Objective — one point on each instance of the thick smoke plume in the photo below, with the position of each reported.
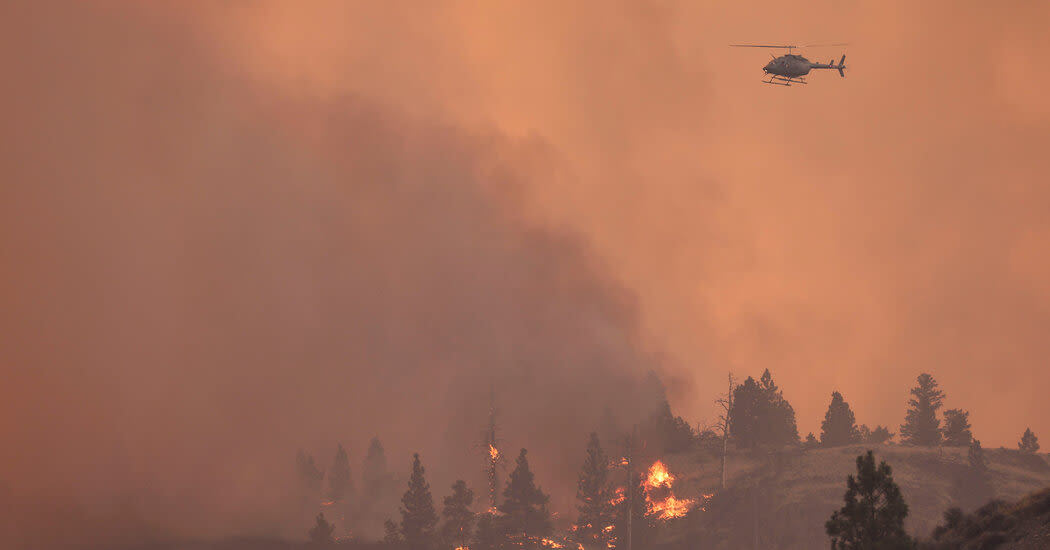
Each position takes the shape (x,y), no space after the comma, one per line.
(204,276)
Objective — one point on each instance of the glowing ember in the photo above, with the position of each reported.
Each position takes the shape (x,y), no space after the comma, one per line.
(620,497)
(328,503)
(462,548)
(659,494)
(551,543)
(493,452)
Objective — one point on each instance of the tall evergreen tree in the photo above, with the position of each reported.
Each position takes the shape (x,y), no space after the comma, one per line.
(810,442)
(374,475)
(321,534)
(524,506)
(921,425)
(839,426)
(956,431)
(1029,442)
(761,416)
(418,517)
(340,484)
(872,517)
(310,476)
(594,496)
(459,520)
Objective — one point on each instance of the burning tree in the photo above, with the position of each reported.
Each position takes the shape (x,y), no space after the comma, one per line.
(459,520)
(525,515)
(418,517)
(596,499)
(660,496)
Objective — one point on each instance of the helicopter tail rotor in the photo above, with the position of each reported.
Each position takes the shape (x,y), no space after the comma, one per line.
(842,66)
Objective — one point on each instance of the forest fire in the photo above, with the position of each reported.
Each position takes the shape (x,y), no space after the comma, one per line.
(660,495)
(493,452)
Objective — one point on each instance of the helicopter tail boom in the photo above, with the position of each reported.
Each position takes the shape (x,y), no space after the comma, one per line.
(841,66)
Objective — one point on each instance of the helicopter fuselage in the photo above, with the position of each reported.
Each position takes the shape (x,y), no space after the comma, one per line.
(789,65)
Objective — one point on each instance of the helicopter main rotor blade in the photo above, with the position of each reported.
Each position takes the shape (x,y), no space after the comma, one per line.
(759,46)
(826,45)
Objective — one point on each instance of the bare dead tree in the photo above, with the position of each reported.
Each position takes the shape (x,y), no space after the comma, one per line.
(726,402)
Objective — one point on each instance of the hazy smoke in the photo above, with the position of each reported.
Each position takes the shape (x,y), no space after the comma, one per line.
(207,276)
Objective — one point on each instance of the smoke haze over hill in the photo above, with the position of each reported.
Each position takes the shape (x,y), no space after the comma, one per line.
(231,232)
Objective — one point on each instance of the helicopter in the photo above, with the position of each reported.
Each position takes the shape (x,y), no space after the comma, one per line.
(792,68)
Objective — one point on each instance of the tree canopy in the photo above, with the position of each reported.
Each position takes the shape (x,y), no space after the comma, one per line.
(873,513)
(526,517)
(921,425)
(761,416)
(957,428)
(839,426)
(594,496)
(1029,442)
(418,517)
(459,520)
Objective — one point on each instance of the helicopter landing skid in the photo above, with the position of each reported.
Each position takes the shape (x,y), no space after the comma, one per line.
(783,80)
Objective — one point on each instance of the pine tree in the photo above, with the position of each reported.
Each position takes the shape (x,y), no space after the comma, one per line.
(921,425)
(595,507)
(761,416)
(976,457)
(321,534)
(310,476)
(459,520)
(418,517)
(839,426)
(374,475)
(810,442)
(957,428)
(1029,442)
(874,511)
(340,484)
(524,506)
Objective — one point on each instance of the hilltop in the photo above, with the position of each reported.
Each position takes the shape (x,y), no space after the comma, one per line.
(1021,525)
(781,501)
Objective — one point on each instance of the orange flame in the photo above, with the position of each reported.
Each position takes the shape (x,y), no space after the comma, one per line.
(493,452)
(659,483)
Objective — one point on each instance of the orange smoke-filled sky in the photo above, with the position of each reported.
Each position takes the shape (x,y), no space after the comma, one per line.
(193,206)
(848,234)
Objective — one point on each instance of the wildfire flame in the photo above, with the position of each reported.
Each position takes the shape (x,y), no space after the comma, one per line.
(659,494)
(493,452)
